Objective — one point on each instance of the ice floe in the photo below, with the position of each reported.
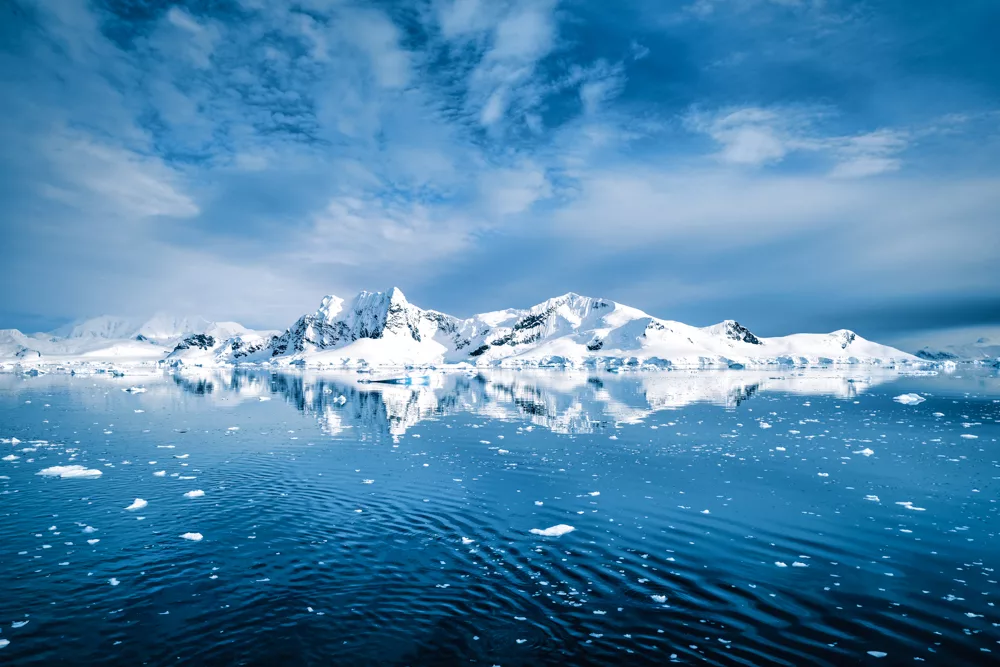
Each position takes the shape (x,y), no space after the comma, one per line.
(137,504)
(553,531)
(70,472)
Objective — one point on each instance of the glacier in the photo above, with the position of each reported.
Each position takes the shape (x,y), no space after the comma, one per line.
(382,330)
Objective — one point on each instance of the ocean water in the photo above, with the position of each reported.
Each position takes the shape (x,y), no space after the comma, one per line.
(728,518)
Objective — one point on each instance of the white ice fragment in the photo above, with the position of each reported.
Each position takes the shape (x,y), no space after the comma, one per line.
(70,472)
(865,452)
(137,504)
(909,399)
(368,481)
(553,531)
(968,436)
(197,493)
(194,537)
(877,654)
(160,473)
(233,428)
(765,425)
(909,505)
(4,643)
(19,624)
(779,563)
(135,390)
(466,540)
(659,598)
(595,493)
(113,581)
(872,498)
(93,542)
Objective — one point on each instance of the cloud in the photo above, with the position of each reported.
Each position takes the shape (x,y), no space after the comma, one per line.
(756,137)
(288,150)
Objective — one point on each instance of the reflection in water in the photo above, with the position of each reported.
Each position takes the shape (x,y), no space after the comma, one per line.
(562,402)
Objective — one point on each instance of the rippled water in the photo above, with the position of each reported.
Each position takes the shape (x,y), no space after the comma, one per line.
(730,518)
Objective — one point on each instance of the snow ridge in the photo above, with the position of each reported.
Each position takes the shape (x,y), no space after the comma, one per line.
(384,329)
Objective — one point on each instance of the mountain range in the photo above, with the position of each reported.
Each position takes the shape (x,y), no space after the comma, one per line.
(382,329)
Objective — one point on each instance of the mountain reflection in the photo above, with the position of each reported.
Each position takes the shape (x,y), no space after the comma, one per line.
(562,402)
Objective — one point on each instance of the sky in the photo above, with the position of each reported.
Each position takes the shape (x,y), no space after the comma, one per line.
(798,165)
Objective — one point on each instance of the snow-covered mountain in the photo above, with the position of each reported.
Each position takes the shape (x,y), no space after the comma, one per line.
(109,339)
(382,329)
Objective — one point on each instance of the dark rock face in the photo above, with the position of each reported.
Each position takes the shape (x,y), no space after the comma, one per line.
(737,331)
(939,355)
(595,345)
(849,337)
(200,341)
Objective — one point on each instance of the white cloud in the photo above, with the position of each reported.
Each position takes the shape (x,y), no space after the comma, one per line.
(756,137)
(100,176)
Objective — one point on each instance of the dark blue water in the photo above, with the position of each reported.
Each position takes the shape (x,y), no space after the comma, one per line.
(732,518)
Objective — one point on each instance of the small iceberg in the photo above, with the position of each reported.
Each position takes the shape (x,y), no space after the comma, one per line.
(135,390)
(197,493)
(70,472)
(553,531)
(194,537)
(137,504)
(909,399)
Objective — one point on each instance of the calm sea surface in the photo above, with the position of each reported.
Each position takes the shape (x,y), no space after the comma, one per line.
(726,518)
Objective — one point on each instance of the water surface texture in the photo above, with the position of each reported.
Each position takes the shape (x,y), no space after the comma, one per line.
(730,518)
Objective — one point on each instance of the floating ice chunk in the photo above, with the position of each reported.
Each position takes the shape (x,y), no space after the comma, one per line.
(969,436)
(93,542)
(135,390)
(872,498)
(233,428)
(594,493)
(659,598)
(181,456)
(765,425)
(19,624)
(138,412)
(113,581)
(780,564)
(553,531)
(799,564)
(194,537)
(503,451)
(938,414)
(539,503)
(4,643)
(909,399)
(160,473)
(823,474)
(780,449)
(909,505)
(865,452)
(466,540)
(11,457)
(89,530)
(70,472)
(137,504)
(263,398)
(877,654)
(368,481)
(197,493)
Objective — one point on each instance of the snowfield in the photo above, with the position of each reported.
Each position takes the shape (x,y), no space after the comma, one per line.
(384,330)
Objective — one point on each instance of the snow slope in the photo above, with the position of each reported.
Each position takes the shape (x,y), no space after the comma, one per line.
(382,329)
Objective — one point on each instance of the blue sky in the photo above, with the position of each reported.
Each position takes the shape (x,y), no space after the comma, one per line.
(799,165)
